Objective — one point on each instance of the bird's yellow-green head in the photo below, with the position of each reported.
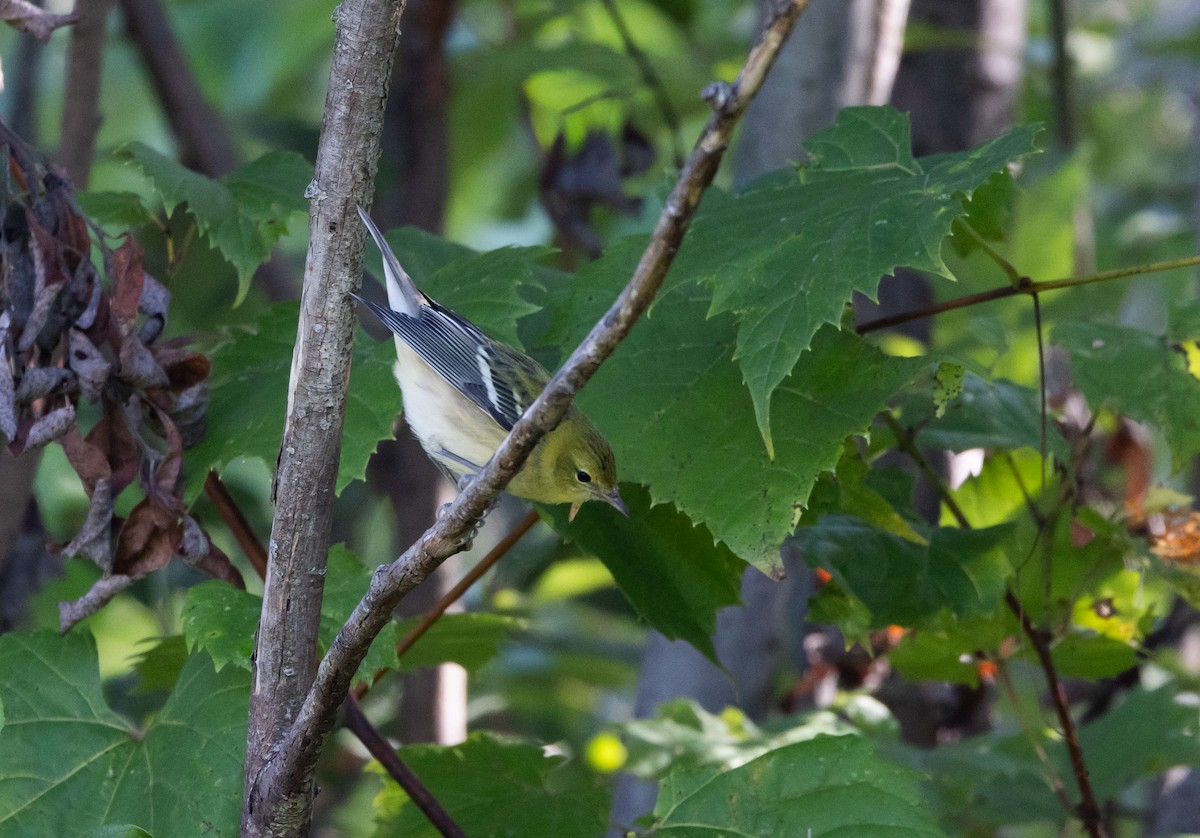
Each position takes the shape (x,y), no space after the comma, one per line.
(573,464)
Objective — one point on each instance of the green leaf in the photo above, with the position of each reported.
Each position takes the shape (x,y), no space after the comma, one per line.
(248,399)
(68,763)
(1138,375)
(222,620)
(682,734)
(469,640)
(124,830)
(673,573)
(118,210)
(988,414)
(159,666)
(858,498)
(1123,746)
(493,786)
(671,402)
(902,582)
(827,786)
(786,259)
(244,213)
(1090,656)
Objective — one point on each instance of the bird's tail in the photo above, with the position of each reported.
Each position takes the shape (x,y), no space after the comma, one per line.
(403,294)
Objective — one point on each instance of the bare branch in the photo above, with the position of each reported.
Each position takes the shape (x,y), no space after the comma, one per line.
(347,156)
(204,144)
(293,763)
(81,100)
(70,613)
(28,18)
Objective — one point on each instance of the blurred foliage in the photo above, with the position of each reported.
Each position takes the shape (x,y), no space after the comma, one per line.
(740,410)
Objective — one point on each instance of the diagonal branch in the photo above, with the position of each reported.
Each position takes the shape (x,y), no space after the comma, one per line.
(292,764)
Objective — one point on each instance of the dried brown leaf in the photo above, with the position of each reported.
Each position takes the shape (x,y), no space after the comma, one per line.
(153,303)
(113,437)
(147,540)
(88,460)
(138,367)
(89,364)
(94,539)
(128,279)
(39,382)
(50,427)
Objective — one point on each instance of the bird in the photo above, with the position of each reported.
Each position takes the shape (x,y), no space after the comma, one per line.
(464,391)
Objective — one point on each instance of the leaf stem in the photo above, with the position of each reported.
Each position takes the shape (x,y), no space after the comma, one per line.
(1014,276)
(1026,286)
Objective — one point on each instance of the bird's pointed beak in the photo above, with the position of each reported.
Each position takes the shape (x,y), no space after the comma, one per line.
(574,510)
(613,499)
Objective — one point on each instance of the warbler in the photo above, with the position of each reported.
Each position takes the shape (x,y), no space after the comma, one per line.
(463,392)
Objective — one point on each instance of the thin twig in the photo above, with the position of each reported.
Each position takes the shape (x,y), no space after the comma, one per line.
(294,760)
(232,515)
(1087,811)
(28,18)
(379,748)
(650,77)
(1026,287)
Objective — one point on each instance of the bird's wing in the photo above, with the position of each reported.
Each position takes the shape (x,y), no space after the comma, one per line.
(467,358)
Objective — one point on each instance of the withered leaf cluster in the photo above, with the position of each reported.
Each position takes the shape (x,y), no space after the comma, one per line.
(72,335)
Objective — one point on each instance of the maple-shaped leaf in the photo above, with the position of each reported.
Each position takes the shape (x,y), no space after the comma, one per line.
(785,258)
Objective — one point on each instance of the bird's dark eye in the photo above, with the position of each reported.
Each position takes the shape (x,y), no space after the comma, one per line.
(583,477)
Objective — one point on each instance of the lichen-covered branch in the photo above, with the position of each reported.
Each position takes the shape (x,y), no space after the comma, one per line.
(286,772)
(366,33)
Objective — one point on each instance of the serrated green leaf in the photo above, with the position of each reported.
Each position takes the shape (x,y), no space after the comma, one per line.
(948,386)
(1138,375)
(682,734)
(671,570)
(248,399)
(118,210)
(68,763)
(785,260)
(469,639)
(827,786)
(244,213)
(671,402)
(222,620)
(988,414)
(905,583)
(495,788)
